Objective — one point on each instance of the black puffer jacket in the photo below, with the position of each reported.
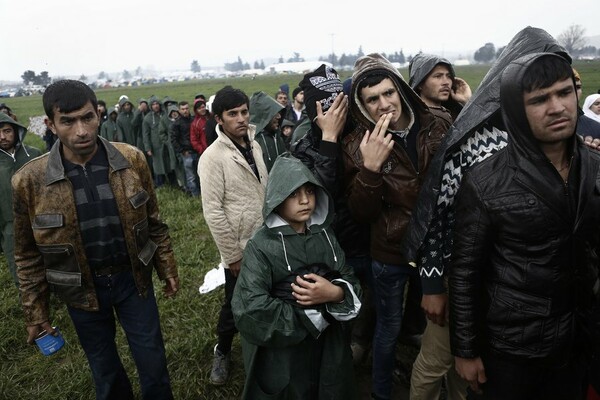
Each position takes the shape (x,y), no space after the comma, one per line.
(525,244)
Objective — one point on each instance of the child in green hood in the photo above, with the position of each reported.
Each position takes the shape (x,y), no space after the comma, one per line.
(295,294)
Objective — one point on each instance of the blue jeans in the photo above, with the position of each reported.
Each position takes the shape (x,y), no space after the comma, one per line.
(139,319)
(388,284)
(190,163)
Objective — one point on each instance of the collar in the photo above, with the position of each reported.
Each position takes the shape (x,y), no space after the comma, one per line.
(55,170)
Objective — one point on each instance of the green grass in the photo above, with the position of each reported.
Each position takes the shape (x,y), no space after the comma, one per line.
(188,325)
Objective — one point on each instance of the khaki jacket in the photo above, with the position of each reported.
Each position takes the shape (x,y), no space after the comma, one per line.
(49,250)
(232,196)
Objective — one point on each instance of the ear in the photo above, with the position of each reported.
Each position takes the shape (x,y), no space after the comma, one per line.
(218,119)
(50,124)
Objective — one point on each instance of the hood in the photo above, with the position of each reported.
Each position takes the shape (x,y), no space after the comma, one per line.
(172,108)
(591,99)
(197,103)
(288,174)
(377,63)
(112,110)
(124,101)
(486,99)
(167,101)
(262,110)
(154,99)
(19,129)
(513,108)
(421,65)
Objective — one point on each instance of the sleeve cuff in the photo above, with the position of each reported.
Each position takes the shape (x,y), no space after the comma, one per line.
(328,149)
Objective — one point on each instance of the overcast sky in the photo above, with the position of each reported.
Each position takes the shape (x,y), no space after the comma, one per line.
(70,38)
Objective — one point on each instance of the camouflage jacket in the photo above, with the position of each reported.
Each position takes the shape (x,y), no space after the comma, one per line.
(49,250)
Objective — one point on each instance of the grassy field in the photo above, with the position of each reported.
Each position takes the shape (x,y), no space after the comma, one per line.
(26,107)
(188,323)
(189,320)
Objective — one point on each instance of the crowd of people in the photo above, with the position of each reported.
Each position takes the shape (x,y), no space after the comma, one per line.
(357,215)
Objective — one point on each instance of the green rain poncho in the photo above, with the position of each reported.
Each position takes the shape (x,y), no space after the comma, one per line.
(292,352)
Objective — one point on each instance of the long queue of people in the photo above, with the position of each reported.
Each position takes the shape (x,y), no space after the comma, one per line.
(465,224)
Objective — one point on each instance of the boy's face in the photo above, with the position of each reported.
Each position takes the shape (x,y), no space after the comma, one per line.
(298,207)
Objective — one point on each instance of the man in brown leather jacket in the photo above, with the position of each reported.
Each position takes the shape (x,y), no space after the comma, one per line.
(385,160)
(87,229)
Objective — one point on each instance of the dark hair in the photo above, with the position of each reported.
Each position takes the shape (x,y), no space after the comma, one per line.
(545,71)
(280,92)
(372,80)
(67,96)
(183,103)
(295,92)
(227,99)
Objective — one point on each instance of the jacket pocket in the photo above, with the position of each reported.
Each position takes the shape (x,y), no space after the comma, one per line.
(147,252)
(47,221)
(63,272)
(145,246)
(139,199)
(518,319)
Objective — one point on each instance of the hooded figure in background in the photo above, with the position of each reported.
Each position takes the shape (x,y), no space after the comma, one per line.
(419,69)
(125,121)
(173,165)
(109,129)
(13,155)
(265,113)
(138,118)
(292,351)
(590,101)
(153,146)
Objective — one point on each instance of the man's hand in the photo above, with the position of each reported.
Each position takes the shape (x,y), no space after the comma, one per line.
(34,330)
(472,371)
(435,308)
(171,287)
(321,291)
(333,121)
(377,146)
(235,267)
(591,142)
(461,91)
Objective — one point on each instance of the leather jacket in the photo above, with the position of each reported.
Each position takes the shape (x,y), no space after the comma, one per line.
(385,200)
(49,251)
(524,262)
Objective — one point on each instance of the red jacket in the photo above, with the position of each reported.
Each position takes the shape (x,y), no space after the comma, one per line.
(197,133)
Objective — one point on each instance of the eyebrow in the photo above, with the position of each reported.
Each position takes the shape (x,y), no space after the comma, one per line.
(65,118)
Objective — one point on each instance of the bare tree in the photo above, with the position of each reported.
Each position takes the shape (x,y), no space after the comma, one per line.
(572,38)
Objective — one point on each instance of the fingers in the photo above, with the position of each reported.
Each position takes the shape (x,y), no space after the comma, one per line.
(382,125)
(591,142)
(319,110)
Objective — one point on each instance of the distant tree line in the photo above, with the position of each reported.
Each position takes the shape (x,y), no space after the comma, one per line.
(572,39)
(31,78)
